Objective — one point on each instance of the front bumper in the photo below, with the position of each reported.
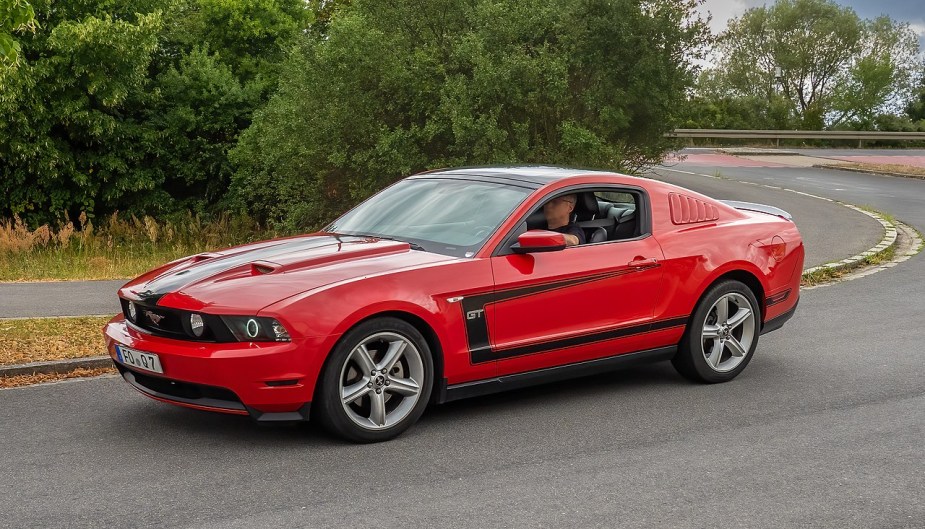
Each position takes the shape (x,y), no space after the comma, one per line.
(269,381)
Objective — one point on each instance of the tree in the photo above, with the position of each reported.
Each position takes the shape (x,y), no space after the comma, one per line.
(830,65)
(404,85)
(65,142)
(16,16)
(915,108)
(133,105)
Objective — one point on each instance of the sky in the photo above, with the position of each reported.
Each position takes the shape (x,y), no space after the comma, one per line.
(911,11)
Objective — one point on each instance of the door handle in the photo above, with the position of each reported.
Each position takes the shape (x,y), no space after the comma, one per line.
(643,263)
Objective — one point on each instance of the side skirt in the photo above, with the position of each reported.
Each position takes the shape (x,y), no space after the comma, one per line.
(552,374)
(779,321)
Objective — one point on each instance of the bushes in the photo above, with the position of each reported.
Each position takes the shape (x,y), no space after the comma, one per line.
(135,105)
(400,87)
(132,105)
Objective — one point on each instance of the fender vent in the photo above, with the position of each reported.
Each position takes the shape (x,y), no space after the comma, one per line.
(688,210)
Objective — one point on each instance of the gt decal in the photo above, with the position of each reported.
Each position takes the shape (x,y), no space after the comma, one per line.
(473,308)
(473,314)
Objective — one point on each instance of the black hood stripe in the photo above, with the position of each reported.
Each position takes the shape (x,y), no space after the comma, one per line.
(175,281)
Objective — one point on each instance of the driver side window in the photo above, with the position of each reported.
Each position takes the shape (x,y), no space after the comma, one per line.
(603,214)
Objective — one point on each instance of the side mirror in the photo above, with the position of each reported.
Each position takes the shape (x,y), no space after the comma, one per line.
(539,241)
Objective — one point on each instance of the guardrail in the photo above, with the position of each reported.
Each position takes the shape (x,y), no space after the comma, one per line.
(778,135)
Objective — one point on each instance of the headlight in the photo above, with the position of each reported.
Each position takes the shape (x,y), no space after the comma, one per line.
(132,311)
(197,325)
(256,329)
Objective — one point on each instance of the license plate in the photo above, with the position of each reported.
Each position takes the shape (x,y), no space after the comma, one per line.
(139,359)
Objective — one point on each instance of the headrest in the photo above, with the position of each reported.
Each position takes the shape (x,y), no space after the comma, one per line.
(586,208)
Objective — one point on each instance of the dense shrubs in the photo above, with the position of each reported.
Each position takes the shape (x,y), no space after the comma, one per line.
(138,106)
(400,87)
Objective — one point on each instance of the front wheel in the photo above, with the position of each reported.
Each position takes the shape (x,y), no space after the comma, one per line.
(377,381)
(722,335)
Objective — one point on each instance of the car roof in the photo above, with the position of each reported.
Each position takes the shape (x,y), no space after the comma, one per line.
(533,176)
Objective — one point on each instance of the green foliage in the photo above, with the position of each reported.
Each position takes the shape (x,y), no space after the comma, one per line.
(397,87)
(16,16)
(828,65)
(915,108)
(133,105)
(65,142)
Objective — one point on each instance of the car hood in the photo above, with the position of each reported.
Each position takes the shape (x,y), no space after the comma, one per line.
(247,278)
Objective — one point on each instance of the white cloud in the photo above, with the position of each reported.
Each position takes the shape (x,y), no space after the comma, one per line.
(725,10)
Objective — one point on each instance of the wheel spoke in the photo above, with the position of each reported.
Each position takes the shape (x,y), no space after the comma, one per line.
(739,317)
(362,357)
(403,386)
(722,310)
(735,347)
(392,355)
(355,391)
(716,354)
(710,331)
(377,408)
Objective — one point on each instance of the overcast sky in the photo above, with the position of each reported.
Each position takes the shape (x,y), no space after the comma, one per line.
(911,11)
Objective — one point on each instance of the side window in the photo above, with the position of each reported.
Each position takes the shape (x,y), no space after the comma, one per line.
(621,214)
(605,215)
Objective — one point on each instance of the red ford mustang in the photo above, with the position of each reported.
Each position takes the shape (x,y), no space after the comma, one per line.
(449,284)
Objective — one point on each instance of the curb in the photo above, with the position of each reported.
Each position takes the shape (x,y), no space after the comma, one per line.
(845,265)
(55,366)
(836,167)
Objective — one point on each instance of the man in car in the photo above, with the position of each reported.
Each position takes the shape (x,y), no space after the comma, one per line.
(558,212)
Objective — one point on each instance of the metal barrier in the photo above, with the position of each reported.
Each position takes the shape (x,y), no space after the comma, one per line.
(777,135)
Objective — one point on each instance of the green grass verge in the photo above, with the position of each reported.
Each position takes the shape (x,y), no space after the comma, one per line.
(42,339)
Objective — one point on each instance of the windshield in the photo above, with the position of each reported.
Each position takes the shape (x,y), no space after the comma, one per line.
(451,217)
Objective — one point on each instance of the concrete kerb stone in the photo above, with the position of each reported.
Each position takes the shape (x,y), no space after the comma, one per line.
(55,366)
(834,165)
(845,265)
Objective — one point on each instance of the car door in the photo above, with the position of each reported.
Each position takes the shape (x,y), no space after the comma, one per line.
(571,305)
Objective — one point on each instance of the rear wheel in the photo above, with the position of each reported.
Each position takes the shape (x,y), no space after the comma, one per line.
(377,381)
(722,335)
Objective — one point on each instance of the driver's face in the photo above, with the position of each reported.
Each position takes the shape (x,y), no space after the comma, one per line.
(557,210)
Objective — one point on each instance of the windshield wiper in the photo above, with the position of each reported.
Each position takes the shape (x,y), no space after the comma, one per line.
(414,245)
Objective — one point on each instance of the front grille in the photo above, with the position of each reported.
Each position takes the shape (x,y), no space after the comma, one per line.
(174,323)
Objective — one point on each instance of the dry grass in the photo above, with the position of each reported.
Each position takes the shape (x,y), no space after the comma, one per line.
(883,168)
(28,380)
(114,248)
(43,339)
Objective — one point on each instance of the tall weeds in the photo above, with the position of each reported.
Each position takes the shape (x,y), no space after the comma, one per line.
(115,247)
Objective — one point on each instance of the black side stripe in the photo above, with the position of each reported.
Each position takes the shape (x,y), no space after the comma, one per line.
(473,309)
(575,341)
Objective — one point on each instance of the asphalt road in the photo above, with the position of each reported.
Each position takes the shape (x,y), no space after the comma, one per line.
(824,429)
(65,298)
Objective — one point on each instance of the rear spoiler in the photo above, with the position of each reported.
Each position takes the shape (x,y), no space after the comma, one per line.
(761,208)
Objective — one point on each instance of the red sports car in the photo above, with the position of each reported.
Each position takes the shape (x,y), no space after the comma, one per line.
(461,282)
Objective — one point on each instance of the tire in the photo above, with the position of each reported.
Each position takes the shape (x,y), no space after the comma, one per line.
(376,382)
(722,335)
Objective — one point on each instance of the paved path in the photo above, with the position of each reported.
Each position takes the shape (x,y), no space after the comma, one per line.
(701,157)
(65,298)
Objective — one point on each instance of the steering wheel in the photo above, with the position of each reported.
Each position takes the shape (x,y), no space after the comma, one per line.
(483,231)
